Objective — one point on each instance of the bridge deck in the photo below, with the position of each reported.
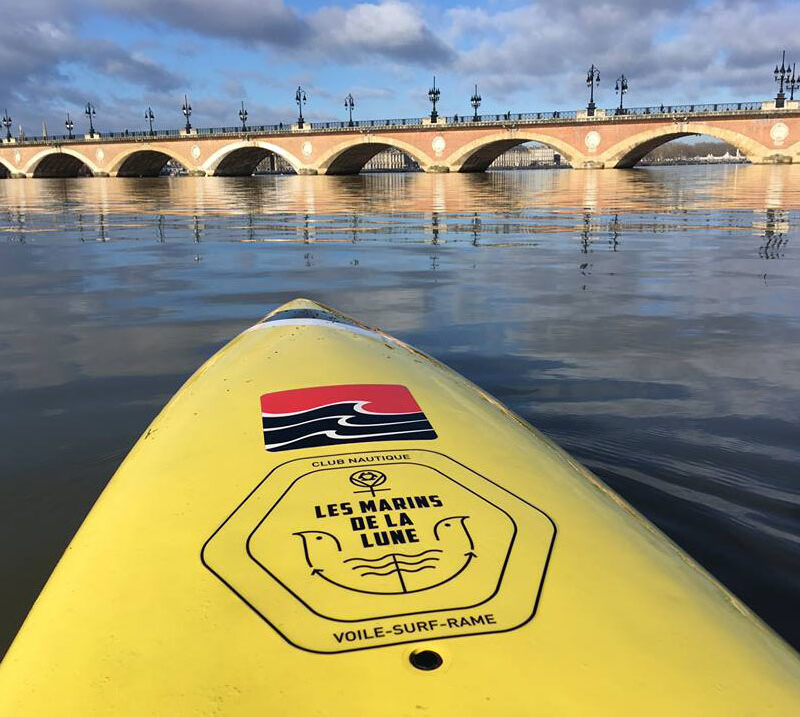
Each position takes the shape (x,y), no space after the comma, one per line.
(609,138)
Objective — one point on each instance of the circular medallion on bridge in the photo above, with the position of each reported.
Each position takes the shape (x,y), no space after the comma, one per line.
(779,132)
(100,154)
(438,144)
(196,151)
(17,157)
(592,140)
(307,148)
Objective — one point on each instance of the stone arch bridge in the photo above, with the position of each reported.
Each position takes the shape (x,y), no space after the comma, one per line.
(761,132)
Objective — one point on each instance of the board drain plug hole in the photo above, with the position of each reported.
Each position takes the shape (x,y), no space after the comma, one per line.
(425,659)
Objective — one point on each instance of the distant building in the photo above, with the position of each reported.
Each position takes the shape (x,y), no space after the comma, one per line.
(173,169)
(394,160)
(527,157)
(694,152)
(391,160)
(273,164)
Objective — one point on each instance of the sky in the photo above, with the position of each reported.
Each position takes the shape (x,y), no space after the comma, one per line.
(126,56)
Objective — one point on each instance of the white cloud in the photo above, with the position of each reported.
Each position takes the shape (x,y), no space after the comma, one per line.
(672,50)
(260,22)
(391,29)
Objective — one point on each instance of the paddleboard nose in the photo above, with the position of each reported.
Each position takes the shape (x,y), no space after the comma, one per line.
(300,303)
(307,309)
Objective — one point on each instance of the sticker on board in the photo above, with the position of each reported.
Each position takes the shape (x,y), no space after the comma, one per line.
(333,415)
(362,550)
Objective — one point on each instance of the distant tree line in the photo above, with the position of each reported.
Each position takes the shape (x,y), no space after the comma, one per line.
(676,150)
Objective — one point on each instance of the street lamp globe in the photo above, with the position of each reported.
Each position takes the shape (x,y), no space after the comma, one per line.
(7,124)
(149,116)
(475,101)
(300,98)
(621,87)
(592,79)
(782,77)
(187,112)
(349,105)
(90,112)
(433,97)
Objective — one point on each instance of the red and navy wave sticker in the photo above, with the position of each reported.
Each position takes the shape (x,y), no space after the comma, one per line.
(332,415)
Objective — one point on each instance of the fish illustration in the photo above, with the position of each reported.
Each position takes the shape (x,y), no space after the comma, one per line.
(394,572)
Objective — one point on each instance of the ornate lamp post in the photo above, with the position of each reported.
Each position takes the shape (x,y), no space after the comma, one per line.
(89,111)
(793,83)
(243,117)
(782,74)
(349,105)
(69,125)
(475,101)
(300,98)
(621,88)
(187,112)
(433,97)
(7,124)
(592,79)
(149,116)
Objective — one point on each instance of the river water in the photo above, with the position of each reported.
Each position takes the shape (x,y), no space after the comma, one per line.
(647,320)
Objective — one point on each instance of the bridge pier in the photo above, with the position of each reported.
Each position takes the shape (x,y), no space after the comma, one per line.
(590,164)
(772,159)
(196,173)
(307,171)
(436,169)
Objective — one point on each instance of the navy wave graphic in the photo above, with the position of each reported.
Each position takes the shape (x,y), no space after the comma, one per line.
(343,422)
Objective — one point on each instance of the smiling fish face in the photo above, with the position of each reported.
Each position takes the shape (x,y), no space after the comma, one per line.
(392,572)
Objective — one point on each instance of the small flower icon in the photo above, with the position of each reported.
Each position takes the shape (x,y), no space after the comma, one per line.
(368,479)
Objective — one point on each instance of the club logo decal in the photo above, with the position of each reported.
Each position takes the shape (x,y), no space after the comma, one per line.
(392,572)
(333,415)
(360,550)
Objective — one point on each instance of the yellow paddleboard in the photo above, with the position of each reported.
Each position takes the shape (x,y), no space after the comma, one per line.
(324,521)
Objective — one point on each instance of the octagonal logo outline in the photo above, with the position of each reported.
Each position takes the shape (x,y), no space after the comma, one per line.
(494,592)
(277,583)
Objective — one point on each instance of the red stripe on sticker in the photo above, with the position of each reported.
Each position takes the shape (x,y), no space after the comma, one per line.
(377,398)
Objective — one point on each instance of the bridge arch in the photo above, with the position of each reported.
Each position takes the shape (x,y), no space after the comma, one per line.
(350,156)
(144,161)
(476,156)
(240,159)
(630,151)
(60,162)
(6,170)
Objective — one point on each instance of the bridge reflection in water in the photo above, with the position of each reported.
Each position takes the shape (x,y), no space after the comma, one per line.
(491,208)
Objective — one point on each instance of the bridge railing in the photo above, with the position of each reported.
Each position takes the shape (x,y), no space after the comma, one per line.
(726,107)
(254,129)
(361,124)
(137,134)
(512,117)
(484,119)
